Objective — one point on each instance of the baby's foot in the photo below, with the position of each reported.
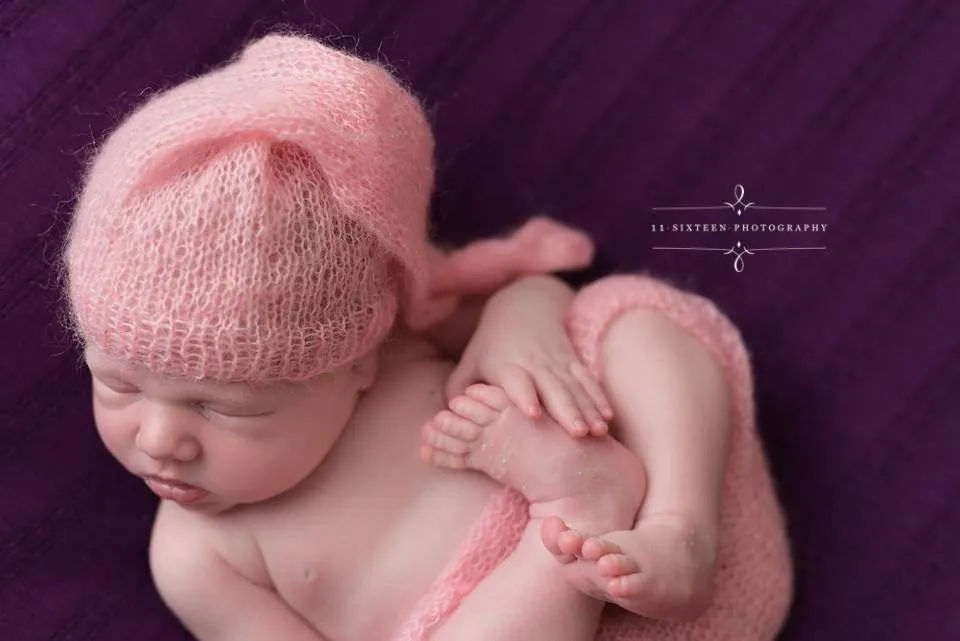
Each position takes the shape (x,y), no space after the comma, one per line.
(590,483)
(661,569)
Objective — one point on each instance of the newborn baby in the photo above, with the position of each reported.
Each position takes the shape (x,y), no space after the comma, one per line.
(237,294)
(300,510)
(249,274)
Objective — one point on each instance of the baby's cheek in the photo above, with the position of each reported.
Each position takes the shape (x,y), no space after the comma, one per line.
(116,431)
(252,471)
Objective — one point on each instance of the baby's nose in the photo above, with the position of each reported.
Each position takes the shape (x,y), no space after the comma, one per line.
(164,436)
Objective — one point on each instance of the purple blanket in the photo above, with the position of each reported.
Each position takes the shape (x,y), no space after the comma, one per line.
(633,120)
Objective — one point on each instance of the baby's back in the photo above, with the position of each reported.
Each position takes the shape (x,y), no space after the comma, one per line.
(354,547)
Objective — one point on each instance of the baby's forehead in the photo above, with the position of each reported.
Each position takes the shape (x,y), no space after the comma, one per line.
(102,364)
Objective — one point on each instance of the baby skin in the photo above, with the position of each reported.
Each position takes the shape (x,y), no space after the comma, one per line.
(670,400)
(596,487)
(593,486)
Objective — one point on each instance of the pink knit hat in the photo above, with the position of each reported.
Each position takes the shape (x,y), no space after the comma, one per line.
(264,221)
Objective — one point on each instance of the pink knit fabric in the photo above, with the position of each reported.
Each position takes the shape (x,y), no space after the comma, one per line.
(213,237)
(754,581)
(490,541)
(268,220)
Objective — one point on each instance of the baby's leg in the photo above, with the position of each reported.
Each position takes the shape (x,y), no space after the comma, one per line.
(589,483)
(671,404)
(678,376)
(594,484)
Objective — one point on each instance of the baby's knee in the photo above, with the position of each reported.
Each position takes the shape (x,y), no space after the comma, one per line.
(639,326)
(623,317)
(652,330)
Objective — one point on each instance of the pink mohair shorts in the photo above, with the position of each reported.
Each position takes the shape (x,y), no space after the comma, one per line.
(754,579)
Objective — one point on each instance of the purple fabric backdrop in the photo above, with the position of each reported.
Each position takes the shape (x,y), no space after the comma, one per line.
(596,113)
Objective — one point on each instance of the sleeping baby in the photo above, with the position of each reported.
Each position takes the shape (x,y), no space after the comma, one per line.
(269,330)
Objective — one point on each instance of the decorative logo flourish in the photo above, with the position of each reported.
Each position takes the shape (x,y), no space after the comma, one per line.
(738,192)
(739,207)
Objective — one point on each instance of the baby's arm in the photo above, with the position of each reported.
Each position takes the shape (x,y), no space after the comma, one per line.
(209,597)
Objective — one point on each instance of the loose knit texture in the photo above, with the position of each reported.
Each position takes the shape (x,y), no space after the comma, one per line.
(252,223)
(268,220)
(754,577)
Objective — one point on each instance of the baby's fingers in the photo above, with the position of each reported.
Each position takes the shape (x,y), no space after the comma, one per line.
(521,391)
(593,389)
(561,403)
(588,407)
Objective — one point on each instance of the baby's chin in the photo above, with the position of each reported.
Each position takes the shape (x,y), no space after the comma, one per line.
(212,504)
(190,498)
(211,508)
(235,499)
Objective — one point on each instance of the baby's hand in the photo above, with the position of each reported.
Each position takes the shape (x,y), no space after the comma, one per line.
(526,351)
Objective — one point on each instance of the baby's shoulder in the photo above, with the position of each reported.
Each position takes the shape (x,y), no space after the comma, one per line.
(179,534)
(181,537)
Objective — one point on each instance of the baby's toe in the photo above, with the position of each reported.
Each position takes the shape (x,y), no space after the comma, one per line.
(615,565)
(457,426)
(490,395)
(550,531)
(440,458)
(570,542)
(625,586)
(473,410)
(595,548)
(446,443)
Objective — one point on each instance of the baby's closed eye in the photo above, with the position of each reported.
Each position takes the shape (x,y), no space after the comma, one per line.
(115,386)
(232,411)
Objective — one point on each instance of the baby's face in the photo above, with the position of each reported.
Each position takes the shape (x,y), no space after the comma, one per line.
(210,445)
